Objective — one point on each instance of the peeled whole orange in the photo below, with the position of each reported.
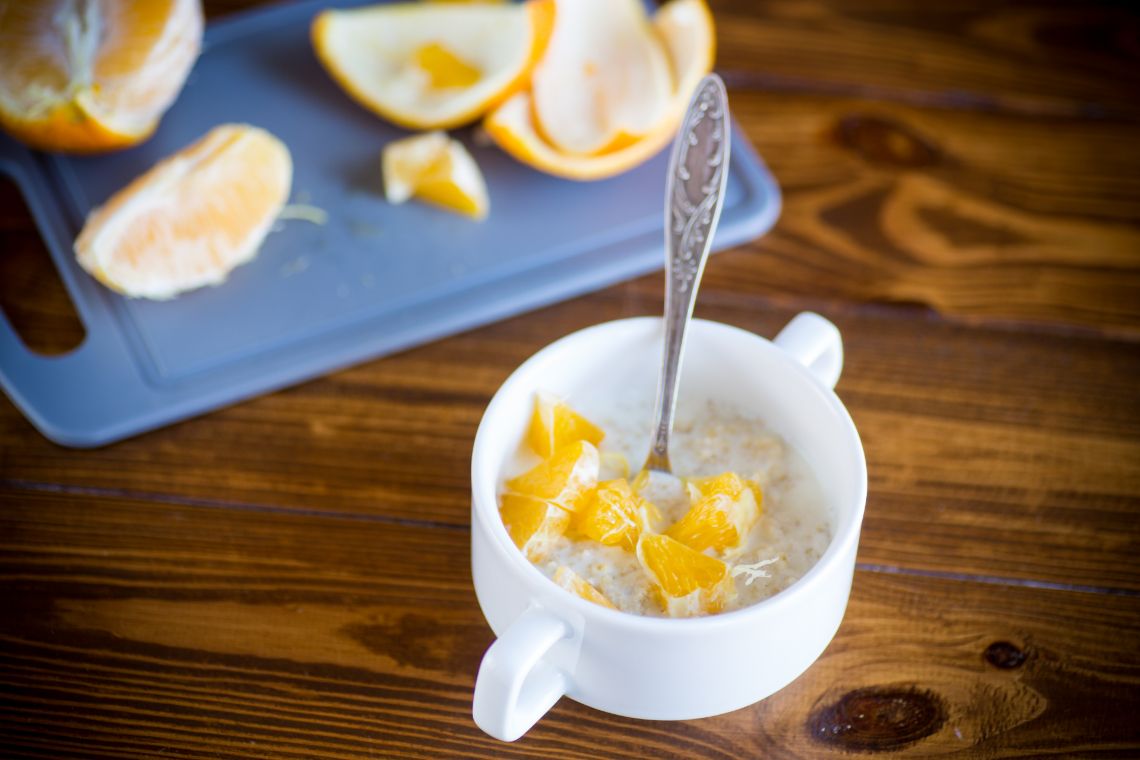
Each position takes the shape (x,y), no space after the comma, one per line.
(86,76)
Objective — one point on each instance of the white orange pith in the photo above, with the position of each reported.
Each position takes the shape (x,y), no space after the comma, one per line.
(93,75)
(192,217)
(432,65)
(435,169)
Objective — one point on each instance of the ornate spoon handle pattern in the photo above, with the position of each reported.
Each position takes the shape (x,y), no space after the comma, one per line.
(698,173)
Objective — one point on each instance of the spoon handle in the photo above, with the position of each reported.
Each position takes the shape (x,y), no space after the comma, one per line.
(698,172)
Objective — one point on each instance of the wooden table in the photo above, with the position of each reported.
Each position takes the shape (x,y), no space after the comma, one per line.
(289,578)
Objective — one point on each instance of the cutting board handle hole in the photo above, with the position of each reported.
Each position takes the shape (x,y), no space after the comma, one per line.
(31,293)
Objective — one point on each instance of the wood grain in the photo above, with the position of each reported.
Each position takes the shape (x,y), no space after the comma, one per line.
(994,453)
(133,628)
(1036,59)
(289,578)
(984,218)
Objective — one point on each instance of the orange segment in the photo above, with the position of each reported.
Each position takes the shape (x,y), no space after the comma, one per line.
(533,524)
(566,479)
(687,582)
(725,509)
(435,169)
(726,484)
(93,76)
(576,584)
(192,217)
(554,424)
(616,516)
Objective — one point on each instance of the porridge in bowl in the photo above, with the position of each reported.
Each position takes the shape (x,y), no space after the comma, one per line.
(745,519)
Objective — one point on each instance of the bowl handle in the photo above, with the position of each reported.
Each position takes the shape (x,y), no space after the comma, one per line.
(516,686)
(815,343)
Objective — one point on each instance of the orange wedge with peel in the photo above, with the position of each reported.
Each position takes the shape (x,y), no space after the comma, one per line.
(554,424)
(567,479)
(432,65)
(604,80)
(685,29)
(687,582)
(190,219)
(725,508)
(576,584)
(533,524)
(86,76)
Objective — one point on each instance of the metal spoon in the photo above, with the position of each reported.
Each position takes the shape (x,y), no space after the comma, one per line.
(698,172)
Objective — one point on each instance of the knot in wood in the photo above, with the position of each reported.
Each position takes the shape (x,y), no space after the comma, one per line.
(883,141)
(1004,655)
(877,719)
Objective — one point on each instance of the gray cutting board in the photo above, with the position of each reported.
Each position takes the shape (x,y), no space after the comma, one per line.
(373,280)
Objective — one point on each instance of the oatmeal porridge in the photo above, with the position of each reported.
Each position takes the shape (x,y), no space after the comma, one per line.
(745,520)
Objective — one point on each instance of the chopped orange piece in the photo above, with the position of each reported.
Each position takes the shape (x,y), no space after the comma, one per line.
(93,76)
(616,515)
(687,582)
(566,479)
(192,217)
(533,524)
(554,424)
(576,584)
(727,483)
(435,169)
(726,508)
(613,465)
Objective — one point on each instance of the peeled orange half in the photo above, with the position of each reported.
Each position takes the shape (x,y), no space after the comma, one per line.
(432,65)
(619,141)
(93,75)
(191,218)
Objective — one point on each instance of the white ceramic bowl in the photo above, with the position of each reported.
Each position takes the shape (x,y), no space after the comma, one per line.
(552,643)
